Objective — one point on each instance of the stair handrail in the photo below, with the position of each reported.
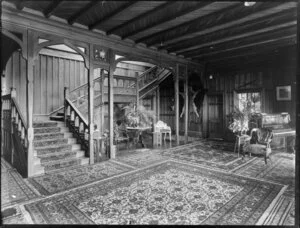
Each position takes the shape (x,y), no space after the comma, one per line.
(77,88)
(144,74)
(84,85)
(76,123)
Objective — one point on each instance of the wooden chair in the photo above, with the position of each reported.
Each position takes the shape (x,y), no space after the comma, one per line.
(259,142)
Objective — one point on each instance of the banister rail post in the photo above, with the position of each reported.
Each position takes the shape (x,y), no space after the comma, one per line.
(13,94)
(66,95)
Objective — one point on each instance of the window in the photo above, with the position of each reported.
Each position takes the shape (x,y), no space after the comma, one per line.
(253,97)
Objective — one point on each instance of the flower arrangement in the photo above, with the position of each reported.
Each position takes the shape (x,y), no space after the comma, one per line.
(239,118)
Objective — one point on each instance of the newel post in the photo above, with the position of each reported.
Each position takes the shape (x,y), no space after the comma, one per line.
(66,95)
(13,94)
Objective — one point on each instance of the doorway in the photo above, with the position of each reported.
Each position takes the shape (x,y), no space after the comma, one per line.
(215,116)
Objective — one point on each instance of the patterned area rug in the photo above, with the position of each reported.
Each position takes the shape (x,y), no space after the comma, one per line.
(141,158)
(70,178)
(207,154)
(281,169)
(13,188)
(168,193)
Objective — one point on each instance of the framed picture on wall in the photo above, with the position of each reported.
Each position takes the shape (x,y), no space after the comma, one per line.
(283,93)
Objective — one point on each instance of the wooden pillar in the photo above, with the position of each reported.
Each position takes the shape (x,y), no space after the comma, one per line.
(101,119)
(29,97)
(91,105)
(176,89)
(186,106)
(137,89)
(111,103)
(158,103)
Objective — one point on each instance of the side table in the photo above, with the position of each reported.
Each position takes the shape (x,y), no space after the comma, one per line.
(240,140)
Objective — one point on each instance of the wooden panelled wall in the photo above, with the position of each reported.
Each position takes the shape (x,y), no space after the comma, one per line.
(264,79)
(15,76)
(55,73)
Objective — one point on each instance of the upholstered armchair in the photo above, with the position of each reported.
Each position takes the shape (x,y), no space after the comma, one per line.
(259,142)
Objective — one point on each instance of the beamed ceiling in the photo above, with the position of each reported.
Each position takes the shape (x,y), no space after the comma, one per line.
(216,33)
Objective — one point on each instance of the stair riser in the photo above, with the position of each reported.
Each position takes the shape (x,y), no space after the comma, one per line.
(54,142)
(49,136)
(63,148)
(44,124)
(65,155)
(46,130)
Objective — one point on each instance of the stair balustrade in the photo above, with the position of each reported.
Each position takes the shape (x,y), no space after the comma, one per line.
(77,124)
(14,135)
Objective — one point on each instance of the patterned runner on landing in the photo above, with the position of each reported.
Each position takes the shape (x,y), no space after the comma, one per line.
(168,193)
(70,178)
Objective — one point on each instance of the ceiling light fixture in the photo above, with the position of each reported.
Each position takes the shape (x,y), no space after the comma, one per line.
(249,3)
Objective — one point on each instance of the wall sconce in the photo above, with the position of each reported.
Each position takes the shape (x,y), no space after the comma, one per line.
(211,77)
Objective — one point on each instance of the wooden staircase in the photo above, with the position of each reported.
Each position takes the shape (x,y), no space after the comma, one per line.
(55,148)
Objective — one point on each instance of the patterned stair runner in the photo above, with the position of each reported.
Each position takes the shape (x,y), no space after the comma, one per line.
(55,147)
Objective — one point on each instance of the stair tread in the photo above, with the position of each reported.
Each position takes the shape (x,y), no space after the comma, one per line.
(57,153)
(55,146)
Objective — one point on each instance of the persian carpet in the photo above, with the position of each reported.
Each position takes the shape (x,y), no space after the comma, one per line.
(205,154)
(168,193)
(281,169)
(70,178)
(14,189)
(141,158)
(283,212)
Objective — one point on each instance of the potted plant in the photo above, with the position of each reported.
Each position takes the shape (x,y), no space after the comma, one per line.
(138,116)
(239,118)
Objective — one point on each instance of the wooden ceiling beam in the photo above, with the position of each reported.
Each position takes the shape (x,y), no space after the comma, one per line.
(281,41)
(267,21)
(53,6)
(252,61)
(114,13)
(140,17)
(161,33)
(169,17)
(244,51)
(185,51)
(82,11)
(278,34)
(208,24)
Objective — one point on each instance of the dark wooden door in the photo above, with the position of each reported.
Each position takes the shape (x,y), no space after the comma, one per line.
(215,116)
